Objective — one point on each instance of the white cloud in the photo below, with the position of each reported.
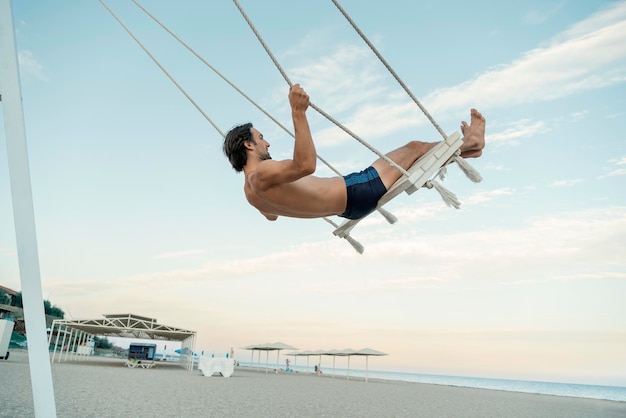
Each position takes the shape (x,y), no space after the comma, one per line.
(30,67)
(565,183)
(543,13)
(612,172)
(590,55)
(570,244)
(8,252)
(181,254)
(519,129)
(495,167)
(604,275)
(488,195)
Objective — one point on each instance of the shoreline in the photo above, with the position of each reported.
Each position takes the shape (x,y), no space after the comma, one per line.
(104,387)
(487,383)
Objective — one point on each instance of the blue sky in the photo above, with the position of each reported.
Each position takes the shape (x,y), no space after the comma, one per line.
(138,211)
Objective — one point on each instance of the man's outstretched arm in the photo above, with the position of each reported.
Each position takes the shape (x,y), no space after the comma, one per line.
(304,156)
(271,172)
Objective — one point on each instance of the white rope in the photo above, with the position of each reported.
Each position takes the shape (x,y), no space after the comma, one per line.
(469,171)
(320,111)
(393,73)
(230,83)
(163,69)
(386,214)
(357,246)
(448,197)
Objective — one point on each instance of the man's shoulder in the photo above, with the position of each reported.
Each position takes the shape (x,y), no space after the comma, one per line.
(264,171)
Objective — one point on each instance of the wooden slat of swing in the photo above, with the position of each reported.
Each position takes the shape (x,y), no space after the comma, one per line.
(423,170)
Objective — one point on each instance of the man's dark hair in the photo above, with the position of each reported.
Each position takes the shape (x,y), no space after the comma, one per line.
(233,145)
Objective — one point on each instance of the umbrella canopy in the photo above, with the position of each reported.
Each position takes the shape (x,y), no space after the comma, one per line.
(267,347)
(346,352)
(368,352)
(305,353)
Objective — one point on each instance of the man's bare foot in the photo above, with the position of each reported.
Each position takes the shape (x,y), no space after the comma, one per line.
(473,135)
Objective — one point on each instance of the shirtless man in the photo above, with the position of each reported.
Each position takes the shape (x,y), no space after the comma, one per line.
(288,188)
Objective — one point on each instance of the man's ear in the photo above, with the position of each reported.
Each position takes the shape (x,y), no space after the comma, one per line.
(249,145)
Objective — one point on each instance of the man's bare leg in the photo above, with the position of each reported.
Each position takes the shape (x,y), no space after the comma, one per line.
(405,157)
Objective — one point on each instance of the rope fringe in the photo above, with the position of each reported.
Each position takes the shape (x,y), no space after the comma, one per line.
(357,245)
(448,197)
(469,171)
(389,217)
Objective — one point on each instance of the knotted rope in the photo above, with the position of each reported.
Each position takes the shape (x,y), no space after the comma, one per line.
(470,172)
(357,246)
(320,111)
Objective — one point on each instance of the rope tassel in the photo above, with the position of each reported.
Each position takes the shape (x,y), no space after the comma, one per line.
(357,245)
(446,195)
(469,171)
(390,217)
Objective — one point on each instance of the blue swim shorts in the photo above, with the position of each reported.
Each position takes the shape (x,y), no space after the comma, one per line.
(364,191)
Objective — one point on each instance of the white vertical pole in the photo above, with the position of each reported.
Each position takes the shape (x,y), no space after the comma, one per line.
(69,343)
(56,341)
(24,217)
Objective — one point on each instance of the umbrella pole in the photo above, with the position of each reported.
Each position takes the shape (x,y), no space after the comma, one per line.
(277,354)
(348,378)
(267,360)
(334,357)
(366,367)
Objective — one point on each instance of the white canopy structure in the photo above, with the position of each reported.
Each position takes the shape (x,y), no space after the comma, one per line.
(346,352)
(70,333)
(267,347)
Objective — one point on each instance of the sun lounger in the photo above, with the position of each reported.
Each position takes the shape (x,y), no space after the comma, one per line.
(144,364)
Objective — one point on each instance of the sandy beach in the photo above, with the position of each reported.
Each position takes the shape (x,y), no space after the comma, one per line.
(103,387)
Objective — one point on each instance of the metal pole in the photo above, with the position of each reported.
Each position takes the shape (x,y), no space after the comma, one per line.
(56,342)
(69,344)
(24,217)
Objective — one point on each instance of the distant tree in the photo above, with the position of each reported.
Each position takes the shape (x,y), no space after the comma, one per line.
(48,307)
(103,343)
(5,298)
(17,300)
(56,311)
(52,310)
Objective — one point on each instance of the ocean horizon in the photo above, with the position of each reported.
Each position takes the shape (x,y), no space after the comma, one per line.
(577,390)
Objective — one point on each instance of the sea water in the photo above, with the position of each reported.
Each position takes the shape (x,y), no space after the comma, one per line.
(613,393)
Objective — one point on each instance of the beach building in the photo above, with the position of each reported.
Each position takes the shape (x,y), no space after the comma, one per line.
(67,335)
